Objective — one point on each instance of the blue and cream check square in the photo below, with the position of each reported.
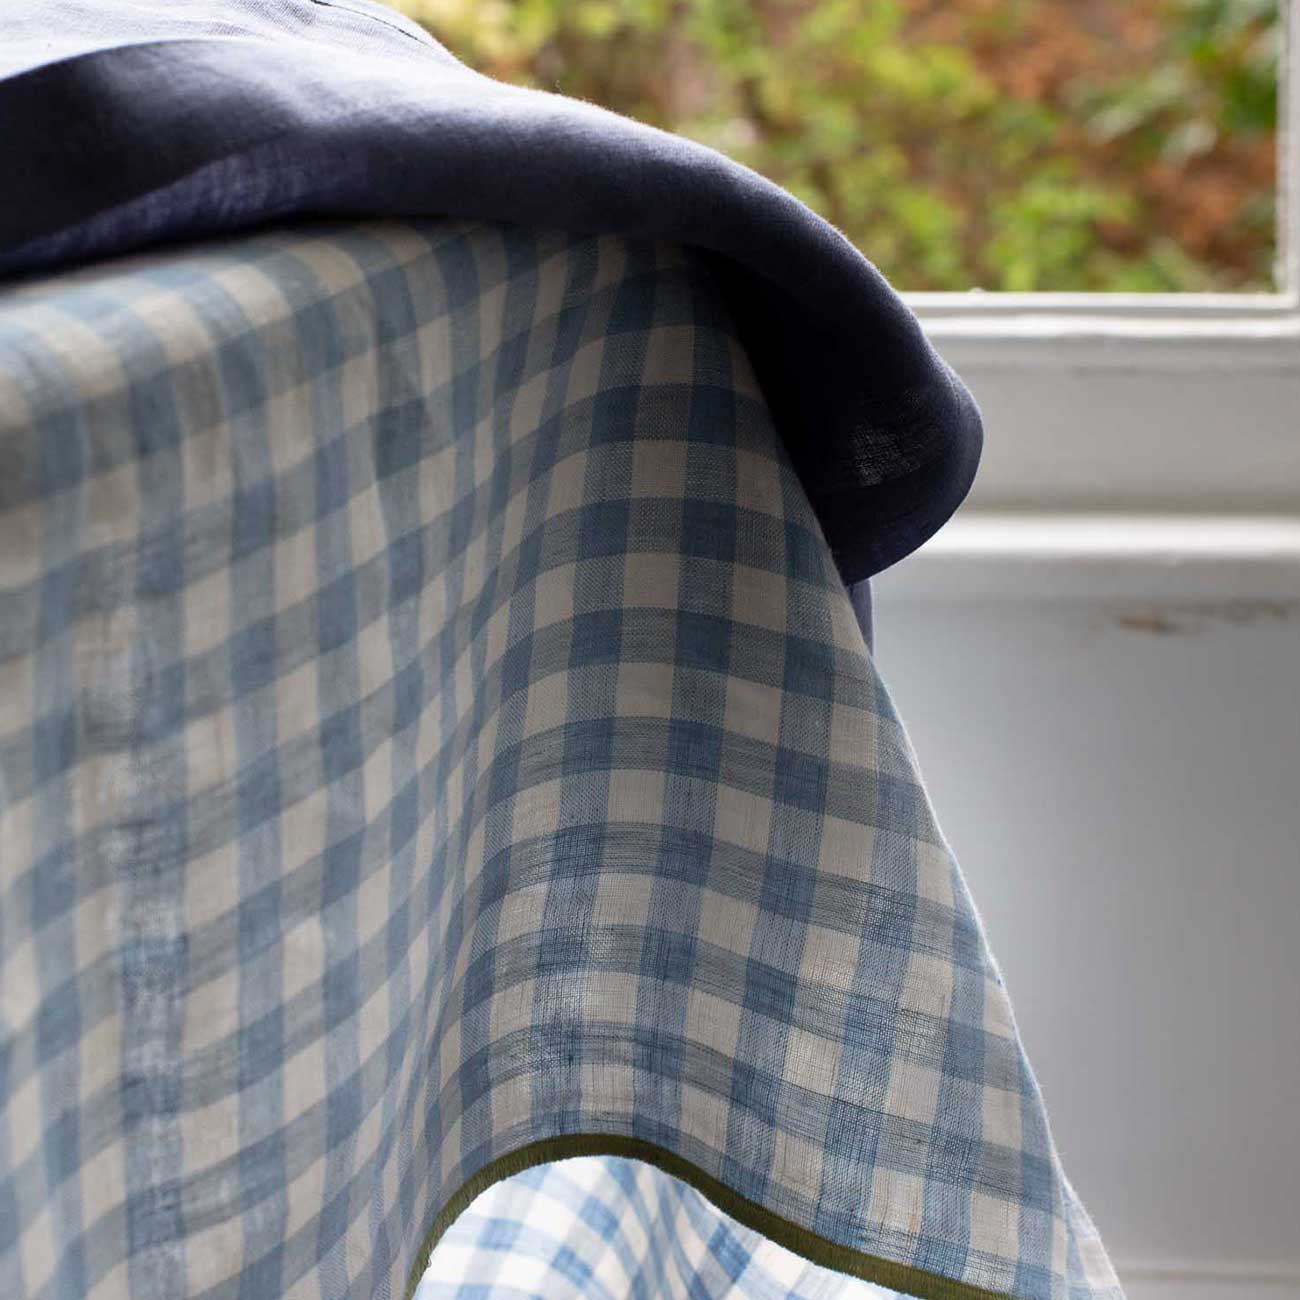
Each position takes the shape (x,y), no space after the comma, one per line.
(607,1228)
(435,740)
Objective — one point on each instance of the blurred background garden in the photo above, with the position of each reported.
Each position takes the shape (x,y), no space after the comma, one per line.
(1078,145)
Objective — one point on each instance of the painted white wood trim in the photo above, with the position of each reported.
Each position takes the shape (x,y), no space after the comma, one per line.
(1175,306)
(1288,156)
(1191,1283)
(977,343)
(1120,422)
(1238,567)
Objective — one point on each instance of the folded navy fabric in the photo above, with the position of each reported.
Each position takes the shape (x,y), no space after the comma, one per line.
(146,121)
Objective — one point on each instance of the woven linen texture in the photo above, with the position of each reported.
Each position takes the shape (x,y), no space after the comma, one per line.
(606,1228)
(431,722)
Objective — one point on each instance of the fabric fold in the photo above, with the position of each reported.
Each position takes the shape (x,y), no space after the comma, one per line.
(432,724)
(128,125)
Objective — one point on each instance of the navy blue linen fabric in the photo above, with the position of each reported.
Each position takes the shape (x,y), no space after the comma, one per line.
(143,121)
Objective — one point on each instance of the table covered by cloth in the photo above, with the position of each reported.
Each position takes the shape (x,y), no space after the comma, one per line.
(435,740)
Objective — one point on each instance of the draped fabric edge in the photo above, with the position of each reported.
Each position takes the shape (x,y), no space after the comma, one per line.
(195,137)
(812,1246)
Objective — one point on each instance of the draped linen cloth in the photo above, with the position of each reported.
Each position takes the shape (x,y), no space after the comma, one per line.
(436,740)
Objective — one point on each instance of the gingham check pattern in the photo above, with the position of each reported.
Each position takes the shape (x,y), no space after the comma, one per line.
(431,723)
(605,1228)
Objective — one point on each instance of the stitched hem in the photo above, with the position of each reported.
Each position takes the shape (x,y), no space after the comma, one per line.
(917,1282)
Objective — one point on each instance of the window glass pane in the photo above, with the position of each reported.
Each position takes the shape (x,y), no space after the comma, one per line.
(1094,145)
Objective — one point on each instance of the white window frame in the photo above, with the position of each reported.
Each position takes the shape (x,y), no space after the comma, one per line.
(1133,443)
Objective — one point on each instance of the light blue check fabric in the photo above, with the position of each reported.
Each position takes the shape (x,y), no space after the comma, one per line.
(607,1228)
(434,740)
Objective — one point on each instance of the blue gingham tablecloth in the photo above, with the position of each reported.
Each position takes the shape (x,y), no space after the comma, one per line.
(435,741)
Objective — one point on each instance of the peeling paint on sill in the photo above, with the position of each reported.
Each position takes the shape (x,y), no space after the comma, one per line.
(1185,619)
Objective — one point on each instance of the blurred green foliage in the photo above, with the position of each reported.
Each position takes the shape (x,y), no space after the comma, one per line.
(1007,144)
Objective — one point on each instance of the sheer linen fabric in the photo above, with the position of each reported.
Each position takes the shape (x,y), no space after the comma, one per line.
(436,740)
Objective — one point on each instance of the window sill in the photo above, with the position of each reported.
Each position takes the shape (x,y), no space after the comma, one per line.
(1146,406)
(1221,561)
(1113,333)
